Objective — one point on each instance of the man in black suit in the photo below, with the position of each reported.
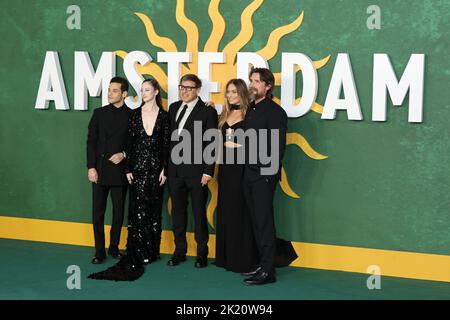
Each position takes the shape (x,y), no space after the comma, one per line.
(191,176)
(260,179)
(107,133)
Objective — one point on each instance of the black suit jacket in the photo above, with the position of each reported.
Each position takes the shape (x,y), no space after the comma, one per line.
(208,118)
(107,135)
(266,115)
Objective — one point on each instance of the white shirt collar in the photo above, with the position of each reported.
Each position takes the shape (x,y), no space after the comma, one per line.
(191,104)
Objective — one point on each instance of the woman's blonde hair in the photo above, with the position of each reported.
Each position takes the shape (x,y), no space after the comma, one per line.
(242,91)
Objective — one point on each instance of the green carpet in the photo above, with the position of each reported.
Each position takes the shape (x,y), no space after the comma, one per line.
(32,270)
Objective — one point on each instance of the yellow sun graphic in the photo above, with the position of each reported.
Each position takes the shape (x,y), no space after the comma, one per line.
(225,71)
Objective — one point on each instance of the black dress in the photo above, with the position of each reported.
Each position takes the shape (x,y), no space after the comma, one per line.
(235,245)
(146,156)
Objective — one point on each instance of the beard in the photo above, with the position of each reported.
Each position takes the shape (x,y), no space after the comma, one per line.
(254,94)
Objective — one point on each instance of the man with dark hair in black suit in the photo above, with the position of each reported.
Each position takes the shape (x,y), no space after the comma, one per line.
(190,178)
(107,133)
(260,183)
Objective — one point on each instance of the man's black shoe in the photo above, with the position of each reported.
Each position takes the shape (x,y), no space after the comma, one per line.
(115,254)
(251,273)
(201,262)
(97,260)
(261,278)
(175,260)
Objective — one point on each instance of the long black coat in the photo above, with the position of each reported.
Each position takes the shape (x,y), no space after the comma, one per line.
(266,115)
(107,135)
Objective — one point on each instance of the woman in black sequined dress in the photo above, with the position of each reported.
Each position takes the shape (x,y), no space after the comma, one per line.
(147,154)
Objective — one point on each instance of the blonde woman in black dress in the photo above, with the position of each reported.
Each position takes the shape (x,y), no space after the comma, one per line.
(235,245)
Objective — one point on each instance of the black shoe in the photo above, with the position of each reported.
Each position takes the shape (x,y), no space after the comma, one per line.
(176,260)
(115,254)
(201,262)
(261,278)
(97,260)
(251,273)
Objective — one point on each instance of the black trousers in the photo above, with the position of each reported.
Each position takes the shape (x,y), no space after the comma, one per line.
(99,199)
(179,189)
(259,197)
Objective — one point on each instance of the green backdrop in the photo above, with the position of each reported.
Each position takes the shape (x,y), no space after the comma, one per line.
(384,185)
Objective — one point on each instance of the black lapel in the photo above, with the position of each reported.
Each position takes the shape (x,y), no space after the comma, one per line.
(198,106)
(173,113)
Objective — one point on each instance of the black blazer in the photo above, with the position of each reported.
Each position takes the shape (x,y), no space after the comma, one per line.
(107,135)
(266,115)
(208,118)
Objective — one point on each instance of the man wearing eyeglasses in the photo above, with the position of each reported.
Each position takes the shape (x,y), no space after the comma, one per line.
(190,178)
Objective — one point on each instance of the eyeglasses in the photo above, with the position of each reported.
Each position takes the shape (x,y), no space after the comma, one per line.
(183,88)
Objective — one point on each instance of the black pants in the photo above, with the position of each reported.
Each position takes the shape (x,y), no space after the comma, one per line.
(99,199)
(259,197)
(179,188)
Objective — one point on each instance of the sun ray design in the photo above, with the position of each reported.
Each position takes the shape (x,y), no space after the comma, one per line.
(300,141)
(225,71)
(191,33)
(213,188)
(284,184)
(246,33)
(189,27)
(316,107)
(150,69)
(212,44)
(317,64)
(271,48)
(161,42)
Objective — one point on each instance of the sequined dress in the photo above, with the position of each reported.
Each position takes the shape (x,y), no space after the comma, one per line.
(146,156)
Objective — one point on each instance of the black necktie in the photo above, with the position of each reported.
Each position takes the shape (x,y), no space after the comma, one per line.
(177,123)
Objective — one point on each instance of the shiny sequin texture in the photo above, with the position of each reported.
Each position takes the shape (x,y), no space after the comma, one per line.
(146,156)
